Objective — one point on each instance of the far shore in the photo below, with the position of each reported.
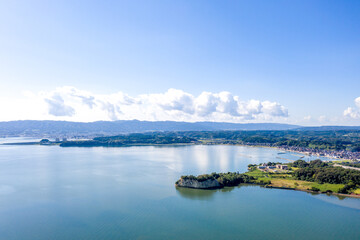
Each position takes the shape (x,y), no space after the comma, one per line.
(187,144)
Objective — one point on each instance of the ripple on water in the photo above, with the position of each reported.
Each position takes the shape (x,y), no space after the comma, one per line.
(6,189)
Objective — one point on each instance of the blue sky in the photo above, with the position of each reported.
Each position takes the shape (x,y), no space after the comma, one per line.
(298,61)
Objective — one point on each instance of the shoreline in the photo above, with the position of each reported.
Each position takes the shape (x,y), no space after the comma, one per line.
(314,192)
(276,187)
(281,178)
(303,190)
(190,144)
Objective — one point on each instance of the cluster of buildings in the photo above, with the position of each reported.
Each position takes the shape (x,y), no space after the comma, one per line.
(266,167)
(343,154)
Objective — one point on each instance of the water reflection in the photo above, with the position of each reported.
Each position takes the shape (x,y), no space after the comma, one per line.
(202,158)
(204,194)
(195,194)
(201,194)
(339,200)
(207,194)
(205,159)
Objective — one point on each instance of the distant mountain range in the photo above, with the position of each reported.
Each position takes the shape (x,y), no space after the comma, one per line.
(32,128)
(329,128)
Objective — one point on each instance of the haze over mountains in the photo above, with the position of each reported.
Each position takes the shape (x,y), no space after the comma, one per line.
(33,128)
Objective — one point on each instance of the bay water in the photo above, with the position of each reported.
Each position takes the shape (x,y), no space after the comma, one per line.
(49,192)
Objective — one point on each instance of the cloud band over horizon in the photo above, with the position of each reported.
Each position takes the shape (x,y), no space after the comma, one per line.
(71,104)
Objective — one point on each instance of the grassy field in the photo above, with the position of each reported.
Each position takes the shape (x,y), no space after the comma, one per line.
(357,191)
(284,180)
(304,185)
(268,175)
(342,161)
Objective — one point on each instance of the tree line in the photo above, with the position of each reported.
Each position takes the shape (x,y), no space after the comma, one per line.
(321,172)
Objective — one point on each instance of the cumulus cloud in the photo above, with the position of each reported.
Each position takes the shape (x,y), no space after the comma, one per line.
(57,106)
(307,118)
(72,104)
(172,100)
(353,112)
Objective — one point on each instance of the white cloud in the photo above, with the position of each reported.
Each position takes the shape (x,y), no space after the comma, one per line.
(172,100)
(205,104)
(57,106)
(307,118)
(357,102)
(353,113)
(69,103)
(323,119)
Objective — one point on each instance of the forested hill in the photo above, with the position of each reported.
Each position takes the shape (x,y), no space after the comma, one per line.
(31,128)
(109,128)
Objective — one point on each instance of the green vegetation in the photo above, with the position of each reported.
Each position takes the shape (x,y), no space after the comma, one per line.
(351,164)
(325,140)
(323,173)
(287,180)
(312,164)
(348,140)
(132,139)
(334,175)
(300,164)
(225,179)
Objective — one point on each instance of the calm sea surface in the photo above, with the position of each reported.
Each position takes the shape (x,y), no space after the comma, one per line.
(48,192)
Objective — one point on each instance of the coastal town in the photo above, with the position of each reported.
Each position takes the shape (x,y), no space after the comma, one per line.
(336,154)
(342,154)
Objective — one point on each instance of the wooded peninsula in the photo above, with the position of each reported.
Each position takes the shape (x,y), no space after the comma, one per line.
(314,176)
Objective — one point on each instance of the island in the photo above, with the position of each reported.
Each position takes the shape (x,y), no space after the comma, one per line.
(314,176)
